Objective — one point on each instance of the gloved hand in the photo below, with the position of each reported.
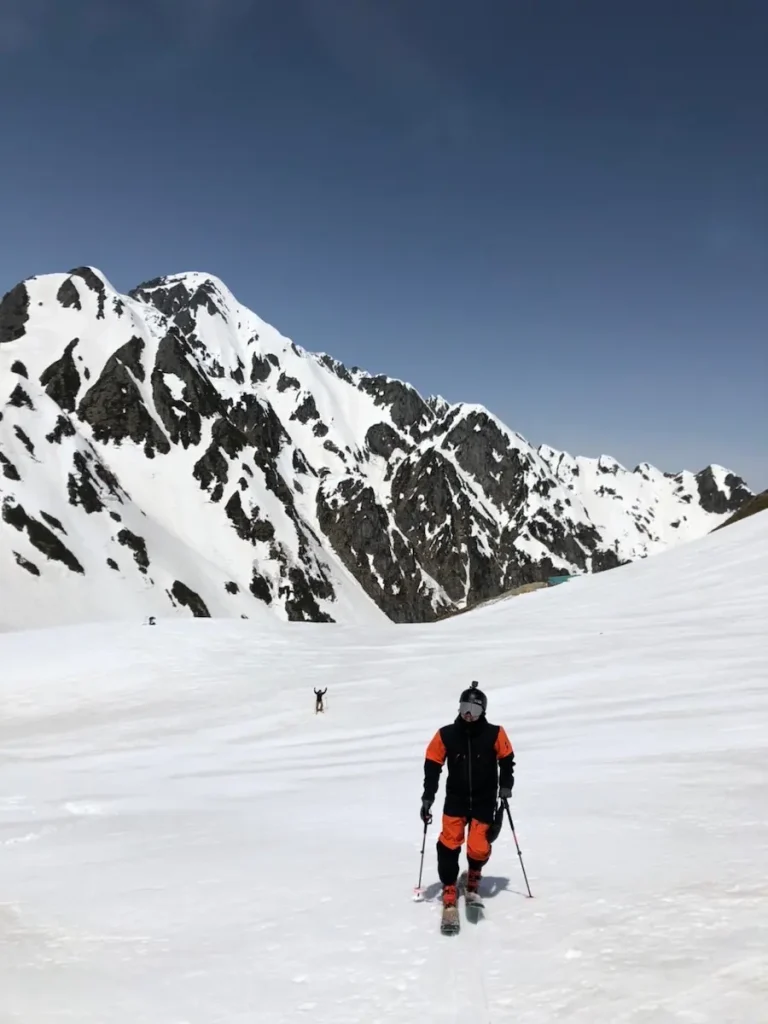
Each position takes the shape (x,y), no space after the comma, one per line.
(426,804)
(505,792)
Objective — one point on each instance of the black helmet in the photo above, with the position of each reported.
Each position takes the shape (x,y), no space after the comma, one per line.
(473,696)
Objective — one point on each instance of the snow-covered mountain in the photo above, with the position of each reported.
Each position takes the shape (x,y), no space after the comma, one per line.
(168,451)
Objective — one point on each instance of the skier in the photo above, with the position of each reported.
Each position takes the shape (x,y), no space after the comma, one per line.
(480,759)
(319,694)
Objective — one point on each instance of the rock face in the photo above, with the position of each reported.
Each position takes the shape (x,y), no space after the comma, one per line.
(168,452)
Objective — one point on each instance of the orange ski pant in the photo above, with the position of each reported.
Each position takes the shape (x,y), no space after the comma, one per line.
(452,836)
(450,842)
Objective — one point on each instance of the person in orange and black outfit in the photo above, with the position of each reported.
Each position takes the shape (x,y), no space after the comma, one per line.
(480,762)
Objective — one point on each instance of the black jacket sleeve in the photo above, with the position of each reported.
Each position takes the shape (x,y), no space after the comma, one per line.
(433,765)
(507,771)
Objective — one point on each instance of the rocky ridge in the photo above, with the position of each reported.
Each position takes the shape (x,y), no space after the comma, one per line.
(168,451)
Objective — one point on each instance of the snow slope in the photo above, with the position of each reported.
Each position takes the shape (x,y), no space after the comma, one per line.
(168,452)
(183,840)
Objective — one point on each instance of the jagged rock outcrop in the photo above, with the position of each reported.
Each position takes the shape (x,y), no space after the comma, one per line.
(166,451)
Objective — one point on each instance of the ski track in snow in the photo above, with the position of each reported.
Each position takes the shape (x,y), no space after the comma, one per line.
(183,841)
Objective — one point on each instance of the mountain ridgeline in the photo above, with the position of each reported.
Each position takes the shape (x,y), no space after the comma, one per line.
(168,452)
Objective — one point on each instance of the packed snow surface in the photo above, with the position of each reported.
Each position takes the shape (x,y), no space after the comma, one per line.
(183,841)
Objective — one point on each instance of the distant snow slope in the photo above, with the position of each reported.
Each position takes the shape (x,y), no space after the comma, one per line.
(167,452)
(183,839)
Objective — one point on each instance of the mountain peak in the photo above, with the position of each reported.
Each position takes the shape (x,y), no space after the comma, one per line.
(169,452)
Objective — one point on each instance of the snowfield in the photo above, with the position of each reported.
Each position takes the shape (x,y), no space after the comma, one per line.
(183,841)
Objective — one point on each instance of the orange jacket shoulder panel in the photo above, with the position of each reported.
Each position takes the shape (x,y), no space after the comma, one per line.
(436,749)
(502,745)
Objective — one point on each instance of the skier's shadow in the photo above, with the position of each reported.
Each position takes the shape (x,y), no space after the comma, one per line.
(490,886)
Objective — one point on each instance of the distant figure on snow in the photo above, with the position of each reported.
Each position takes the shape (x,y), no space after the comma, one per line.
(480,759)
(319,694)
(151,620)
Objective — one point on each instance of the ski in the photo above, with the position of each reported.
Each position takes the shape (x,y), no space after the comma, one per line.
(473,907)
(450,922)
(473,901)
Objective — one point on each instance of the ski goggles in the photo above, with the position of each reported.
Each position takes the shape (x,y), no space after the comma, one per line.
(469,707)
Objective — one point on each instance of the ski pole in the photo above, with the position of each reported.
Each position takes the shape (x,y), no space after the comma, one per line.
(418,895)
(519,852)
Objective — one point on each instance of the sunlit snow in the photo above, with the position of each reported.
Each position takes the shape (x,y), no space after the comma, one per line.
(183,841)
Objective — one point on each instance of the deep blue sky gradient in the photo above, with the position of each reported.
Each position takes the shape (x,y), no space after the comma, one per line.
(556,208)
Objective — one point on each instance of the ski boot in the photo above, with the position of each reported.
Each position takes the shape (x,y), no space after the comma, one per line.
(449,923)
(473,901)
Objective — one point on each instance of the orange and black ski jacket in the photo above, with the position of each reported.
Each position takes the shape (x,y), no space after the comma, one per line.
(480,758)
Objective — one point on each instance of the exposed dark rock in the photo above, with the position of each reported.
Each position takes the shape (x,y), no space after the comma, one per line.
(24,440)
(231,587)
(306,411)
(182,417)
(9,470)
(275,482)
(407,408)
(53,521)
(212,465)
(61,379)
(433,511)
(607,466)
(284,382)
(68,295)
(319,430)
(331,447)
(14,313)
(358,528)
(603,560)
(19,398)
(63,428)
(108,479)
(115,409)
(40,536)
(260,369)
(113,564)
(25,564)
(260,587)
(175,299)
(250,528)
(300,463)
(189,599)
(299,599)
(484,451)
(137,545)
(335,367)
(81,486)
(259,425)
(95,284)
(383,440)
(18,367)
(712,499)
(129,355)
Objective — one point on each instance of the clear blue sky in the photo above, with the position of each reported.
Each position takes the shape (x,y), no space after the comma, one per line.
(557,208)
